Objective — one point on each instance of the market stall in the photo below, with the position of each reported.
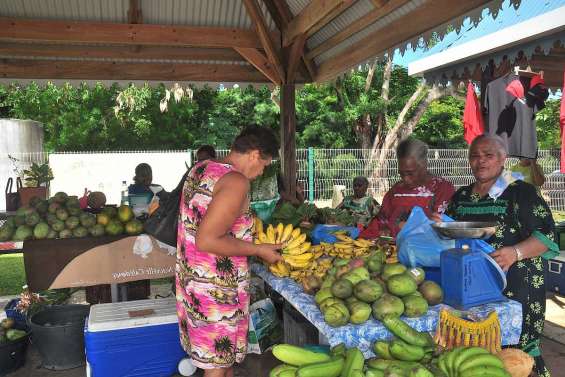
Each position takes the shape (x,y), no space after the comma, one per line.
(363,336)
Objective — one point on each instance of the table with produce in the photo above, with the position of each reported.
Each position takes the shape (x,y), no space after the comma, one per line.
(380,317)
(62,239)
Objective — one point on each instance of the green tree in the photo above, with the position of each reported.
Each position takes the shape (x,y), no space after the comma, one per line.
(441,126)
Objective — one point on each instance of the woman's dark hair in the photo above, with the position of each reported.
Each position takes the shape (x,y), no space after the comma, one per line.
(262,139)
(208,149)
(143,174)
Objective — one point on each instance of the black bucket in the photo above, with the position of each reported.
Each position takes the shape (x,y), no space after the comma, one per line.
(58,334)
(13,355)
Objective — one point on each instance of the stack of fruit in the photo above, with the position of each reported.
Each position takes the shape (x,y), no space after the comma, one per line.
(354,289)
(347,247)
(295,249)
(471,362)
(61,217)
(8,332)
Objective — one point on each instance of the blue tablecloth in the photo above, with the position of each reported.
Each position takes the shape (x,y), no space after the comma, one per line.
(362,336)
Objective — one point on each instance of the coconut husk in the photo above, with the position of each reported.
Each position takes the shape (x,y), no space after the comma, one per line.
(517,362)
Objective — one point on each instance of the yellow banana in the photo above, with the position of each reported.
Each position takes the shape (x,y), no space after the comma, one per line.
(362,243)
(295,251)
(340,245)
(258,225)
(287,232)
(298,258)
(297,241)
(344,238)
(295,233)
(270,234)
(262,238)
(279,232)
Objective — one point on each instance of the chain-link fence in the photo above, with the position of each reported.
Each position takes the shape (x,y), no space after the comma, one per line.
(319,170)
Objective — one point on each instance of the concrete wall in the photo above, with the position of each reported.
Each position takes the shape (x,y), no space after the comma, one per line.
(105,172)
(22,139)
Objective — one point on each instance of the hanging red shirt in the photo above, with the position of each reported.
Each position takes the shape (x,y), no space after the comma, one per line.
(562,124)
(472,116)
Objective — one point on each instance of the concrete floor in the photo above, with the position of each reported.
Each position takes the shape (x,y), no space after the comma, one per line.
(553,348)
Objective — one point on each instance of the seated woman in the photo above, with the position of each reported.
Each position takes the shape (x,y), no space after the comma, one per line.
(362,207)
(525,232)
(417,187)
(142,180)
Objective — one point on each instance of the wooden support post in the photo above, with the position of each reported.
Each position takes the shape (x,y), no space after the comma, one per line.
(288,138)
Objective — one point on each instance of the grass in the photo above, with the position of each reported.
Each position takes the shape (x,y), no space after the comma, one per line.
(12,274)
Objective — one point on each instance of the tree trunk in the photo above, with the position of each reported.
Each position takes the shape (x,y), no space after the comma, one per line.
(363,128)
(381,121)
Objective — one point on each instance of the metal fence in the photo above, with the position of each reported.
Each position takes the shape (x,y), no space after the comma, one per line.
(319,170)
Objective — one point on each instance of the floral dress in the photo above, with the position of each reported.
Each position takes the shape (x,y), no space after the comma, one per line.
(212,291)
(520,212)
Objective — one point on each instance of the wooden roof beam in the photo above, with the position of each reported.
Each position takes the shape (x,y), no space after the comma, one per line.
(16,29)
(316,15)
(88,70)
(267,43)
(434,12)
(295,53)
(117,52)
(371,17)
(260,61)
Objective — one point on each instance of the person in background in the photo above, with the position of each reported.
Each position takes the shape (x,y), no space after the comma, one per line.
(142,180)
(205,152)
(417,187)
(362,207)
(295,200)
(531,170)
(525,233)
(214,242)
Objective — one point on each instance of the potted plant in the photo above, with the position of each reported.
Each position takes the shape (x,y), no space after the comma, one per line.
(36,179)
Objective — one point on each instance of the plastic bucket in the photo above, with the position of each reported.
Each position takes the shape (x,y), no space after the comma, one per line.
(58,334)
(13,355)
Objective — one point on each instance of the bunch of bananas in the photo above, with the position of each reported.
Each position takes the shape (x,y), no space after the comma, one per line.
(295,252)
(347,247)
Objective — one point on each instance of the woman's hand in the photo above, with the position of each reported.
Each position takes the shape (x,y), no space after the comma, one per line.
(505,257)
(268,252)
(435,217)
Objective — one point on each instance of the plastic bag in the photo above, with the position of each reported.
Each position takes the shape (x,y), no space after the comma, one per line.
(418,243)
(323,233)
(265,329)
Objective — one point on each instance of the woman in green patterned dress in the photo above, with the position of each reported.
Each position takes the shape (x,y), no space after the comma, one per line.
(524,237)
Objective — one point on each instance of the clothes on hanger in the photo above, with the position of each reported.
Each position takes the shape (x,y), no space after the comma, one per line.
(472,117)
(511,112)
(562,124)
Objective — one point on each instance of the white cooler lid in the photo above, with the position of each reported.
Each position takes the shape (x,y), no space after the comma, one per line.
(123,315)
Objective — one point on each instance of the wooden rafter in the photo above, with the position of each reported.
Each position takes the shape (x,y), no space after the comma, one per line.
(259,61)
(100,70)
(357,26)
(15,29)
(117,52)
(434,12)
(281,14)
(313,17)
(295,53)
(273,53)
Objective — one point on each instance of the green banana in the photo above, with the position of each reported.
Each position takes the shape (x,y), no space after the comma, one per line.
(484,371)
(356,373)
(403,331)
(374,373)
(401,350)
(382,364)
(288,373)
(382,350)
(395,371)
(466,354)
(481,360)
(354,360)
(298,356)
(450,360)
(276,371)
(441,364)
(338,350)
(420,371)
(330,368)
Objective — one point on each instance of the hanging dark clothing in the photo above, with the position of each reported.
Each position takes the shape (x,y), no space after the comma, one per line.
(520,212)
(512,116)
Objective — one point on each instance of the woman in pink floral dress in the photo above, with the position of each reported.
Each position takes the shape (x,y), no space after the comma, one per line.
(214,241)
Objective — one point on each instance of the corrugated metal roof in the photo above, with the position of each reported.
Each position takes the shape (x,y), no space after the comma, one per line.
(211,13)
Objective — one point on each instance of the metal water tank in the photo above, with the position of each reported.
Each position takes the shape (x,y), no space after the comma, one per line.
(21,139)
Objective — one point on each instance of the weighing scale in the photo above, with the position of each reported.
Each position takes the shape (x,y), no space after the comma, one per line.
(469,276)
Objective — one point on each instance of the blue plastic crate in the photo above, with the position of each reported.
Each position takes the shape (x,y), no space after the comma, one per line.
(13,313)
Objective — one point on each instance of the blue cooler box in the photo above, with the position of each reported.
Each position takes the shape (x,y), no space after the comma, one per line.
(555,274)
(133,338)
